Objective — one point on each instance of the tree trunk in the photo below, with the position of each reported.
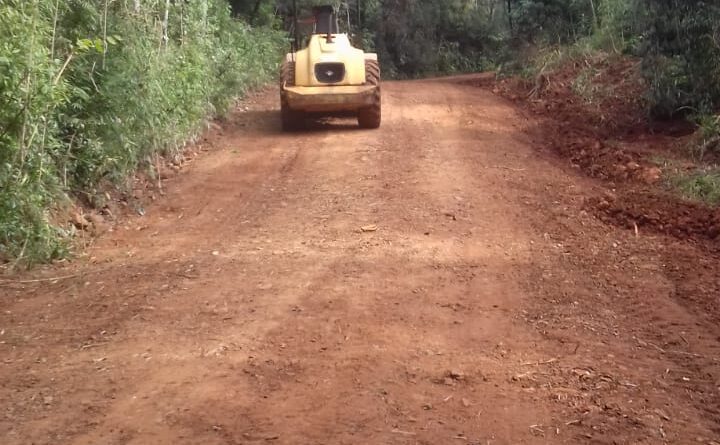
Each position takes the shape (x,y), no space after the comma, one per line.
(256,11)
(296,32)
(595,17)
(166,19)
(509,14)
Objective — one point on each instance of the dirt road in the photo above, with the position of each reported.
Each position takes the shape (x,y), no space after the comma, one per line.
(437,281)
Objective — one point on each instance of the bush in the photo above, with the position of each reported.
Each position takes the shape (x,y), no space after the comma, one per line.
(703,187)
(553,21)
(707,138)
(681,50)
(90,90)
(416,38)
(677,40)
(31,89)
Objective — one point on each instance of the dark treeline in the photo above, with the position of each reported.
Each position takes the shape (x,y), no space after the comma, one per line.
(678,40)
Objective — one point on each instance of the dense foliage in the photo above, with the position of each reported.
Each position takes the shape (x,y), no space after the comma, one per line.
(90,89)
(681,50)
(678,40)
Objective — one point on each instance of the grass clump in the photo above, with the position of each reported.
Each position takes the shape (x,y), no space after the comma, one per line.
(706,140)
(700,186)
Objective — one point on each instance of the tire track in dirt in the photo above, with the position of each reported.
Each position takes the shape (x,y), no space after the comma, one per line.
(393,275)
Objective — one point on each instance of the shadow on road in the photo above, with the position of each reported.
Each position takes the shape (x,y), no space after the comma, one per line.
(268,122)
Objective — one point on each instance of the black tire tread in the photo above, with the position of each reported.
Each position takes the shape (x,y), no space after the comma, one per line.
(370,117)
(290,119)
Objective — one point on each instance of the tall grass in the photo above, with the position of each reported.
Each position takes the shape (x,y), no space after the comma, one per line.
(91,89)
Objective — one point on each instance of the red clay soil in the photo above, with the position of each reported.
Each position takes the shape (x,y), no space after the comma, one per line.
(437,281)
(608,136)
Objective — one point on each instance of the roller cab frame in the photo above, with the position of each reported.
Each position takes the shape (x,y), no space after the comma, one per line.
(329,77)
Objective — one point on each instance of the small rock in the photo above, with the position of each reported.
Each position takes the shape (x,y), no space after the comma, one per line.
(138,193)
(47,400)
(96,218)
(465,402)
(632,166)
(610,196)
(651,175)
(714,233)
(99,226)
(662,414)
(603,204)
(80,221)
(109,212)
(168,173)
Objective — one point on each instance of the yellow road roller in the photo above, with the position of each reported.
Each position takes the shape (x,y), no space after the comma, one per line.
(329,77)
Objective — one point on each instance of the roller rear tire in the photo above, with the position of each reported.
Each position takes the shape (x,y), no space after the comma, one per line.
(290,119)
(370,117)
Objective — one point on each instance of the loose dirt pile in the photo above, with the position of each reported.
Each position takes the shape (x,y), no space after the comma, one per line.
(592,115)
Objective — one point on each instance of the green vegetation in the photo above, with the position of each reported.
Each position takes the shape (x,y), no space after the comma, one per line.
(92,89)
(678,42)
(701,186)
(707,138)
